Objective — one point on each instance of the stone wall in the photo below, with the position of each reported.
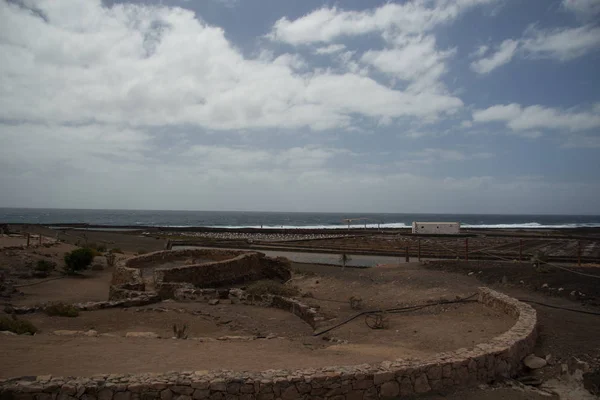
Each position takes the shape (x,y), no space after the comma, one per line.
(245,267)
(308,314)
(174,255)
(500,357)
(226,267)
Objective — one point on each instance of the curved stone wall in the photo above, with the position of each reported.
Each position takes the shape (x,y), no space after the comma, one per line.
(499,357)
(215,268)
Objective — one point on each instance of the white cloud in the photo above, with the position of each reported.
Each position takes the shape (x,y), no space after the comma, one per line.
(536,117)
(434,155)
(479,52)
(123,168)
(562,44)
(583,8)
(146,65)
(504,53)
(332,48)
(413,59)
(328,24)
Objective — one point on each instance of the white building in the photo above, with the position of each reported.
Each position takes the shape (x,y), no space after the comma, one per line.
(441,228)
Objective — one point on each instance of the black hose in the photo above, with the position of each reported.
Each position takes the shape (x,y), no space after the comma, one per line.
(560,308)
(421,306)
(397,311)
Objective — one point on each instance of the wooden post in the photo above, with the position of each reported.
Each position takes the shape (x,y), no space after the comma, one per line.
(419,249)
(466,249)
(28,239)
(407,257)
(40,239)
(520,250)
(579,253)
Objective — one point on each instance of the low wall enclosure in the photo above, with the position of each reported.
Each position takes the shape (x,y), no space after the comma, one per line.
(485,362)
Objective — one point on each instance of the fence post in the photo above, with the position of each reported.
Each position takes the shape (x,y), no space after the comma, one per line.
(579,253)
(28,239)
(466,249)
(40,239)
(419,249)
(520,250)
(407,257)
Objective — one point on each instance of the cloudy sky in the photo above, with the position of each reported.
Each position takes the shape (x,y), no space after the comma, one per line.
(466,106)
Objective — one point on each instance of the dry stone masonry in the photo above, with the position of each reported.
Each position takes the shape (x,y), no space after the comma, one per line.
(485,362)
(225,267)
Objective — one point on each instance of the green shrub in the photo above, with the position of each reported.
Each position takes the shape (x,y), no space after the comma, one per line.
(45,266)
(15,325)
(271,287)
(110,259)
(78,259)
(61,310)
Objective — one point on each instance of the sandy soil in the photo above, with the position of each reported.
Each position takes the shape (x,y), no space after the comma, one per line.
(203,320)
(415,334)
(563,334)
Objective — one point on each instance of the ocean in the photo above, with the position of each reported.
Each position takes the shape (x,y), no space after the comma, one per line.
(288,220)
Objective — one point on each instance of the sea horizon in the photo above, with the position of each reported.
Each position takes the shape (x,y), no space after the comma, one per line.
(285,220)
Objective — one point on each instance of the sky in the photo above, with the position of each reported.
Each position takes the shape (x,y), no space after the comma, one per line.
(432,106)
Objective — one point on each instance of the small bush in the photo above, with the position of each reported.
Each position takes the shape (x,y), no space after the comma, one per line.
(271,287)
(15,325)
(110,259)
(100,248)
(180,332)
(45,266)
(61,310)
(116,250)
(78,259)
(141,251)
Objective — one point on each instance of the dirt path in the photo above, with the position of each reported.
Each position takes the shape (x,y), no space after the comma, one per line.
(90,286)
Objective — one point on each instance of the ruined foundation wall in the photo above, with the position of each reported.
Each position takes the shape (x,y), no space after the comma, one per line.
(226,267)
(500,357)
(245,267)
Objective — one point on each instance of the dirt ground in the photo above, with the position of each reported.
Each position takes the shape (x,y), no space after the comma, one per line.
(550,281)
(413,334)
(563,334)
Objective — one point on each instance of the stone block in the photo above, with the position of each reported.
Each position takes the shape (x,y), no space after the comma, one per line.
(122,396)
(166,394)
(434,372)
(447,371)
(218,386)
(233,388)
(290,393)
(382,377)
(303,387)
(364,384)
(406,387)
(389,389)
(421,384)
(106,394)
(184,390)
(201,394)
(355,395)
(247,388)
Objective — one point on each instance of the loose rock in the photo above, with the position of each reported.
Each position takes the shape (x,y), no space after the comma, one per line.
(147,335)
(534,362)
